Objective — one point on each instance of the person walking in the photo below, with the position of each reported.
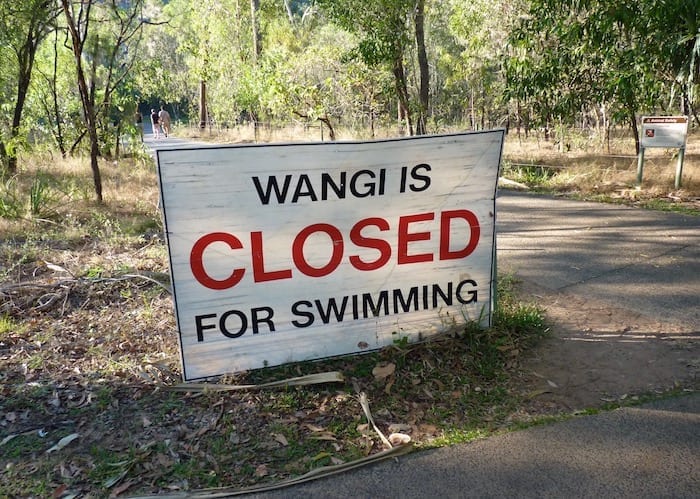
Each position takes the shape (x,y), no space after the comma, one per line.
(155,124)
(164,119)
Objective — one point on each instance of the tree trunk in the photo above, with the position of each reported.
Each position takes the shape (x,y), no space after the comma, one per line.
(85,98)
(331,131)
(3,161)
(288,8)
(635,130)
(94,165)
(424,93)
(402,91)
(257,37)
(54,94)
(202,105)
(25,60)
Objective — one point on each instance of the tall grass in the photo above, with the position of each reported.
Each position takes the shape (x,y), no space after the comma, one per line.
(61,192)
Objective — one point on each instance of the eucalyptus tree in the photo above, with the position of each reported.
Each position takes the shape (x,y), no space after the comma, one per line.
(54,100)
(384,31)
(674,35)
(468,49)
(23,25)
(104,39)
(423,66)
(626,55)
(214,47)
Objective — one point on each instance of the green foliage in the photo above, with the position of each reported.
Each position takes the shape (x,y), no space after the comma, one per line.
(531,175)
(11,204)
(41,197)
(566,58)
(7,326)
(545,63)
(40,200)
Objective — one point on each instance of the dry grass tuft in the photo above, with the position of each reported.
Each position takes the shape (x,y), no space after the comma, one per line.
(589,169)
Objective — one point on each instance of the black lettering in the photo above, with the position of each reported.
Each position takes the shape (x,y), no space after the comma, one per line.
(472,293)
(376,309)
(368,185)
(404,170)
(447,298)
(339,189)
(272,186)
(241,330)
(332,308)
(424,180)
(411,301)
(308,315)
(266,319)
(304,188)
(203,327)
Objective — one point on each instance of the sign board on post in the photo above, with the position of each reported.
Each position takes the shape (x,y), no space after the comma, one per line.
(663,131)
(290,252)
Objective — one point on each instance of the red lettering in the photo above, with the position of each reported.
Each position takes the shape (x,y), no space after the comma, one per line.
(445,225)
(298,250)
(197,262)
(259,272)
(405,238)
(451,222)
(380,245)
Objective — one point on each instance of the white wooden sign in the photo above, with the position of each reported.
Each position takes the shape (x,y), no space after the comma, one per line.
(290,252)
(664,131)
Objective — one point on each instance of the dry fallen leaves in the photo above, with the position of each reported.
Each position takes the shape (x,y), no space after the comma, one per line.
(383,370)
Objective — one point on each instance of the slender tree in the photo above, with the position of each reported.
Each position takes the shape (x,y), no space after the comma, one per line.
(675,38)
(23,26)
(424,92)
(383,28)
(255,26)
(124,24)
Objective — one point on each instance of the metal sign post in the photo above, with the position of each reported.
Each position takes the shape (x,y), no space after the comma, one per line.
(663,131)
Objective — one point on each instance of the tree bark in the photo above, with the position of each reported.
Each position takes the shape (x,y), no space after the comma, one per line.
(85,95)
(424,93)
(54,94)
(257,37)
(402,92)
(202,105)
(635,130)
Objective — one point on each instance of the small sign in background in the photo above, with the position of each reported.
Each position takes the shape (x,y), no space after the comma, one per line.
(664,131)
(669,132)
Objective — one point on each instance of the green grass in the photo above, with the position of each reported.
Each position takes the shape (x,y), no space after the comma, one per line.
(8,325)
(534,176)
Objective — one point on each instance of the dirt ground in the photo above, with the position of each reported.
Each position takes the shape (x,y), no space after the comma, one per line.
(600,354)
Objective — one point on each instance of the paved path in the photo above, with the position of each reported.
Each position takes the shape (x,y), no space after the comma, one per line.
(644,260)
(646,452)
